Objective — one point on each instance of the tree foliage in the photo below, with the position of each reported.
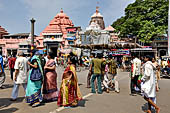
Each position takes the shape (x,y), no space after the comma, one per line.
(144,19)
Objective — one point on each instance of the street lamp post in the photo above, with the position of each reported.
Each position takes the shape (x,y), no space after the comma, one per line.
(32,33)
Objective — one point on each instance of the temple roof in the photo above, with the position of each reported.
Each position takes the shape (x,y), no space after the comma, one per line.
(58,24)
(109,28)
(3,31)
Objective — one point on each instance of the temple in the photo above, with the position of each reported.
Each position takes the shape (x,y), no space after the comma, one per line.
(55,34)
(3,32)
(98,19)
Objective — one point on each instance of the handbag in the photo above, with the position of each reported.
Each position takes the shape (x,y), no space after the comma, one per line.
(36,74)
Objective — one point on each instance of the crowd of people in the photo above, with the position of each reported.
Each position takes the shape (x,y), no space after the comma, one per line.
(39,80)
(38,77)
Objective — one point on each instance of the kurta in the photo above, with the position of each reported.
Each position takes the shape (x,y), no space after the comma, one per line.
(148,86)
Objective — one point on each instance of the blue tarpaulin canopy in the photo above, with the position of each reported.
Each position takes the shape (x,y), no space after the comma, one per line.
(41,51)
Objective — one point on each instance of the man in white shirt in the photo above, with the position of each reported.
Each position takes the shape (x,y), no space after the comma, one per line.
(136,72)
(148,87)
(20,75)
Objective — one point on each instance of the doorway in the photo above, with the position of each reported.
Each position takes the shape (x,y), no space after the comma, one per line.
(54,51)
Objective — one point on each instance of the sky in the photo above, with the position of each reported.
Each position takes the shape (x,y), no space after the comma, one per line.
(15,15)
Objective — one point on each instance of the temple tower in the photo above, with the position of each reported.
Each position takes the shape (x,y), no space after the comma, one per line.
(98,19)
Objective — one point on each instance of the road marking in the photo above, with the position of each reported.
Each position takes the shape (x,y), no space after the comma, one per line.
(90,94)
(62,108)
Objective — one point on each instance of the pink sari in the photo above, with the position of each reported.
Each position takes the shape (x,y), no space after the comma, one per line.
(50,91)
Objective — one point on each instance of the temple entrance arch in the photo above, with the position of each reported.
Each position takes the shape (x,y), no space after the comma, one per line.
(52,47)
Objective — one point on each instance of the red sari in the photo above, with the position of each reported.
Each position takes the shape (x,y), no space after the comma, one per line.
(69,92)
(50,91)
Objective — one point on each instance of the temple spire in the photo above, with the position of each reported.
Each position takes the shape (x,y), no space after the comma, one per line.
(61,11)
(97,8)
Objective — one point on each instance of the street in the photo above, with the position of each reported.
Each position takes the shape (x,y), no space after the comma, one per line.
(92,103)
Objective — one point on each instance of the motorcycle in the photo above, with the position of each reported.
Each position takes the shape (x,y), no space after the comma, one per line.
(165,72)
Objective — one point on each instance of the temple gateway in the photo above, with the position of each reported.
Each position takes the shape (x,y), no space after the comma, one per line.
(55,34)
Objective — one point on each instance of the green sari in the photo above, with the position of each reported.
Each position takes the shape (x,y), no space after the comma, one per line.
(33,91)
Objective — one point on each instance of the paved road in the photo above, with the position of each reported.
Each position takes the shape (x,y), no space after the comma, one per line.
(92,103)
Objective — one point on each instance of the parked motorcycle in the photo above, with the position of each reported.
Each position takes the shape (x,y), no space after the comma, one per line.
(165,72)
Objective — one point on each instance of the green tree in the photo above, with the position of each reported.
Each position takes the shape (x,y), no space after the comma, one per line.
(144,19)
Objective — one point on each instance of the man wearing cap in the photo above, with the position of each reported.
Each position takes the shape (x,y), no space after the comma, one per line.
(20,75)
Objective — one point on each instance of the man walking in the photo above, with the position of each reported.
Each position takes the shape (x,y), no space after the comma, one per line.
(20,75)
(97,64)
(113,73)
(11,65)
(148,86)
(90,72)
(136,71)
(2,73)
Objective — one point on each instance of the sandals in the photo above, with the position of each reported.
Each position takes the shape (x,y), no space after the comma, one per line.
(36,104)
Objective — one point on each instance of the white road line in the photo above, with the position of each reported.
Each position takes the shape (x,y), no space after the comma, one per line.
(62,108)
(90,94)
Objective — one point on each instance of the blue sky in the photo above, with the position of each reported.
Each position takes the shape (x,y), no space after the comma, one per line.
(15,15)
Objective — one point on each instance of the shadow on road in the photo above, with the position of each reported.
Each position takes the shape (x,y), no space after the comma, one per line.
(145,107)
(5,102)
(10,110)
(165,77)
(6,86)
(82,103)
(80,84)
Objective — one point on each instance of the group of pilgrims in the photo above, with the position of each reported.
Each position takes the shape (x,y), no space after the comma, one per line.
(38,77)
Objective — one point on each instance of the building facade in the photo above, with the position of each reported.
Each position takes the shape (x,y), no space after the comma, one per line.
(2,43)
(10,43)
(160,43)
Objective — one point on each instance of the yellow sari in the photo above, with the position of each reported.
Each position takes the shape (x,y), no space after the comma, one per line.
(69,92)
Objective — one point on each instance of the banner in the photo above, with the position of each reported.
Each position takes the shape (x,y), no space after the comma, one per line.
(118,52)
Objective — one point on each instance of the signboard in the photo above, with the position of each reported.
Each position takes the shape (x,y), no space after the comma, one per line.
(118,52)
(71,29)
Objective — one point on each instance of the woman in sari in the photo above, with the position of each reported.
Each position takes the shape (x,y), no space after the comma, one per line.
(33,91)
(69,93)
(50,91)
